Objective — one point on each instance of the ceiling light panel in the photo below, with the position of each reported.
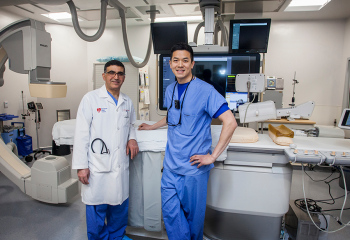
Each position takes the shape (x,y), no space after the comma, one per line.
(186,9)
(306,5)
(60,17)
(180,19)
(32,8)
(95,15)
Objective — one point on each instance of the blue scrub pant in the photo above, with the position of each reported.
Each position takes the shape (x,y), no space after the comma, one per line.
(183,204)
(117,219)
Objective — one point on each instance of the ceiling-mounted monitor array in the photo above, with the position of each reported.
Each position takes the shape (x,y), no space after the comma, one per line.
(249,35)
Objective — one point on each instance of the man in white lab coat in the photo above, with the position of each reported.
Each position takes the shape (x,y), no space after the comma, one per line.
(104,137)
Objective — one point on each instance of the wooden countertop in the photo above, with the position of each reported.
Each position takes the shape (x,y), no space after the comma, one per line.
(296,121)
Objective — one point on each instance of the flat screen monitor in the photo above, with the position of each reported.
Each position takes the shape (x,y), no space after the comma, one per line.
(234,98)
(166,35)
(210,67)
(249,35)
(344,121)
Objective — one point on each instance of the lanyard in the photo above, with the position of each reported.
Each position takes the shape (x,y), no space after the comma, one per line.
(172,98)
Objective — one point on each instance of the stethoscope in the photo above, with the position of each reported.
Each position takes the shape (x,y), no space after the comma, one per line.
(104,146)
(177,104)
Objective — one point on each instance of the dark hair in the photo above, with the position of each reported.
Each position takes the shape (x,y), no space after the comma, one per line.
(181,46)
(113,62)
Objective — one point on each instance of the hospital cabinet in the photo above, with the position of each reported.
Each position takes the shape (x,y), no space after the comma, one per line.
(248,194)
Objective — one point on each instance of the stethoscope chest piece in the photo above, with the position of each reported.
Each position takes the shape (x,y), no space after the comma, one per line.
(104,149)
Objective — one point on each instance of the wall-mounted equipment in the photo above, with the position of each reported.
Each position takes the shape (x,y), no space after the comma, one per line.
(271,82)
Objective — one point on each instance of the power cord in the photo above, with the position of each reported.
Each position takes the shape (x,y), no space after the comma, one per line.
(326,182)
(307,206)
(245,115)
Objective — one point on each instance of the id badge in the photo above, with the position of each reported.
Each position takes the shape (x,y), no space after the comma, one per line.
(126,114)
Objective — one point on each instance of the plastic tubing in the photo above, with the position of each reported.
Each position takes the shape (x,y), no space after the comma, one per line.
(126,43)
(76,25)
(223,31)
(199,26)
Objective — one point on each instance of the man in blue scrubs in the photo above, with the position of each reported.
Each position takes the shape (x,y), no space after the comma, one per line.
(191,104)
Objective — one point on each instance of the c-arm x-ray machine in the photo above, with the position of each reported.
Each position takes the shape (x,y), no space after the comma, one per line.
(28,47)
(262,111)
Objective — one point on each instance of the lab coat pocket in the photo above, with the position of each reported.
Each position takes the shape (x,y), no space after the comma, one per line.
(188,124)
(101,163)
(126,118)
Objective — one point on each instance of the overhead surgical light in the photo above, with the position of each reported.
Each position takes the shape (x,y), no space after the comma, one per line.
(180,19)
(60,17)
(306,5)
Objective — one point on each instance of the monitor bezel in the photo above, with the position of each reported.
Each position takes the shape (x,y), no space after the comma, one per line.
(346,112)
(160,66)
(167,24)
(240,51)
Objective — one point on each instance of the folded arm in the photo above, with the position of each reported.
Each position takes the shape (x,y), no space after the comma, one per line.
(229,126)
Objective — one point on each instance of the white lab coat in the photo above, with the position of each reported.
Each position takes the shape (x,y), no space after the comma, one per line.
(99,117)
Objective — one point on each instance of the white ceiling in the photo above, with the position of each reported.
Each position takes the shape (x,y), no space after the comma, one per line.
(136,15)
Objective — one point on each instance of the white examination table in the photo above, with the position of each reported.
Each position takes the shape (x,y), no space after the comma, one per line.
(248,189)
(145,171)
(249,192)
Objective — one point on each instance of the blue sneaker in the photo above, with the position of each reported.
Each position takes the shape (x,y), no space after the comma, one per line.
(126,238)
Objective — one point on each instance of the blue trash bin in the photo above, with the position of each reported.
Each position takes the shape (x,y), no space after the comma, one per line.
(24,145)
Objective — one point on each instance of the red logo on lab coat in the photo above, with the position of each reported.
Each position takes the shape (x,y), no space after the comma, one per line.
(98,110)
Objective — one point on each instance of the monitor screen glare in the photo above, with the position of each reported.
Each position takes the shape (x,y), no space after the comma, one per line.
(211,68)
(235,99)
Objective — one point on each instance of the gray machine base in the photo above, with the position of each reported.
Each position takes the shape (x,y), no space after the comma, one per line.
(234,226)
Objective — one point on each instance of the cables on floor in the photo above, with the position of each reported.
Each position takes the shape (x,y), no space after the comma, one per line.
(310,206)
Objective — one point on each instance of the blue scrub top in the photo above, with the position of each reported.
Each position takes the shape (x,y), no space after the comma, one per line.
(224,107)
(193,136)
(114,99)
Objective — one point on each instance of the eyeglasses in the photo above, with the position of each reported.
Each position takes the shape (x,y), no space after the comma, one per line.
(112,74)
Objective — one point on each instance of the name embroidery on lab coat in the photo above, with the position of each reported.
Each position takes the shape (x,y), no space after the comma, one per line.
(101,110)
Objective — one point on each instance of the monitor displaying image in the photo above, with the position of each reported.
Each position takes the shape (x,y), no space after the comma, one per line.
(212,68)
(249,35)
(235,99)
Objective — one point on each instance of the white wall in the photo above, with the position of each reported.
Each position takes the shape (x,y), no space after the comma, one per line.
(346,52)
(313,49)
(68,54)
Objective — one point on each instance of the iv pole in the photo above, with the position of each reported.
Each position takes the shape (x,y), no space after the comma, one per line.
(294,82)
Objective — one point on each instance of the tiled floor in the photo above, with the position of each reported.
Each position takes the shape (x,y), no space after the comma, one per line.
(22,217)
